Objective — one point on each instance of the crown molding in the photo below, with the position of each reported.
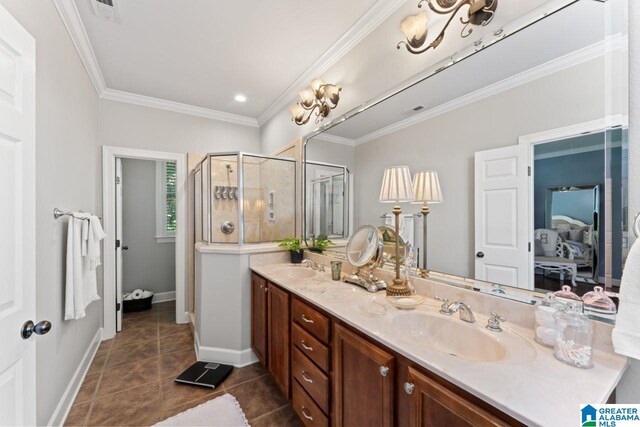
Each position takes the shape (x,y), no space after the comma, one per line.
(177,107)
(73,23)
(580,56)
(336,139)
(367,23)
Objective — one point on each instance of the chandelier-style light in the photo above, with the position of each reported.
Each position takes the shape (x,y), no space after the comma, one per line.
(320,98)
(414,27)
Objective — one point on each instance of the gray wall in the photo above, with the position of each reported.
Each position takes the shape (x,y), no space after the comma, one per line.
(67,177)
(629,388)
(147,264)
(447,143)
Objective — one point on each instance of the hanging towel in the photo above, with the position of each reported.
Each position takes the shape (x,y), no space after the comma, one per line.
(81,286)
(626,333)
(95,235)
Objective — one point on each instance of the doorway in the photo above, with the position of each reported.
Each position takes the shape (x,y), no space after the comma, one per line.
(145,235)
(145,220)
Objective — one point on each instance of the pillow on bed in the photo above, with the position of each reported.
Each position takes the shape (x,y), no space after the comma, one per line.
(564,235)
(587,236)
(539,250)
(576,235)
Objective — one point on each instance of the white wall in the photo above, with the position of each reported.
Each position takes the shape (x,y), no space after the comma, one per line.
(134,126)
(67,177)
(147,264)
(629,388)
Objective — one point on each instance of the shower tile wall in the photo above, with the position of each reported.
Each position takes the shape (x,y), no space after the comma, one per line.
(223,210)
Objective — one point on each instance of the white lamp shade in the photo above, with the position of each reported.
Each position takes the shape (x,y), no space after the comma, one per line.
(297,111)
(414,28)
(316,84)
(396,185)
(307,97)
(426,187)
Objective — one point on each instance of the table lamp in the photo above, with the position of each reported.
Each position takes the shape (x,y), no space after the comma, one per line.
(426,188)
(397,188)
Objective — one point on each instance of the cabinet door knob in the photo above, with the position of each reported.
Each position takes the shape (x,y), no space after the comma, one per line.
(409,387)
(384,371)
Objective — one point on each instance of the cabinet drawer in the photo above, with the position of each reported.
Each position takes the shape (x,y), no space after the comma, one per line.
(311,320)
(310,414)
(311,379)
(311,347)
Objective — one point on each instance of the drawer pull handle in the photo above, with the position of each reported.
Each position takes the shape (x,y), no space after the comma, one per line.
(409,387)
(384,371)
(306,415)
(305,377)
(306,320)
(306,347)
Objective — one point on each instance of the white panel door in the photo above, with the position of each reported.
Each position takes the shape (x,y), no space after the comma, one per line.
(119,245)
(501,216)
(17,216)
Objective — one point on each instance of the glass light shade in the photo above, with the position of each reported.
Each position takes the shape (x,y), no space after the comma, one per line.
(307,97)
(316,84)
(426,187)
(396,185)
(332,93)
(297,111)
(414,28)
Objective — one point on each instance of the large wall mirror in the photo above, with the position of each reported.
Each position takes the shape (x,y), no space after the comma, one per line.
(527,135)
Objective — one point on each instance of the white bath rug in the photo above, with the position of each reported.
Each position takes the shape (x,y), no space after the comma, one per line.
(223,411)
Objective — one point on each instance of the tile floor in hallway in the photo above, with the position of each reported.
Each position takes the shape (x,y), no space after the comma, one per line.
(131,379)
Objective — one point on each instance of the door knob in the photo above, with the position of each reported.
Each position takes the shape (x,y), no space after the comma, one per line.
(29,328)
(125,248)
(480,254)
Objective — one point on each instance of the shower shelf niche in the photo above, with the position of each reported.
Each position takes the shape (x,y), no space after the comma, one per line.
(244,198)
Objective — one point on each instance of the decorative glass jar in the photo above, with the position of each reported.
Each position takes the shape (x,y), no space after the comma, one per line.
(574,335)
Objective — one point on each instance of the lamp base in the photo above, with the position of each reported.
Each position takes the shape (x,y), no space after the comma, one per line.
(398,289)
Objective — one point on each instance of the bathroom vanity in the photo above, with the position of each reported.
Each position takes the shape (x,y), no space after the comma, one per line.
(344,356)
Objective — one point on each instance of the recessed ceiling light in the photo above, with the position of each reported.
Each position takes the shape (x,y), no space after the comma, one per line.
(240,98)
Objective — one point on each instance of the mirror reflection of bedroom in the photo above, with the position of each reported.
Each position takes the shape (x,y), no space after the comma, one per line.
(581,238)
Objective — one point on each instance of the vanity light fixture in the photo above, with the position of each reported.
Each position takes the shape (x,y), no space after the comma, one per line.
(320,98)
(426,188)
(397,188)
(414,27)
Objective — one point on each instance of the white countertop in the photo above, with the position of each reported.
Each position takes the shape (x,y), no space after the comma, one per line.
(539,390)
(235,248)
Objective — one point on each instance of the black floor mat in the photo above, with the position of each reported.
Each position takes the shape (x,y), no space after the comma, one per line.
(205,374)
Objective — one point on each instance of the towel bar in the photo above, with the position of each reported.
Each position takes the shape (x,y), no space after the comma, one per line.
(57,213)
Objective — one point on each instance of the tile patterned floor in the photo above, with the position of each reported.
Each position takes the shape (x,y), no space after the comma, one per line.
(131,379)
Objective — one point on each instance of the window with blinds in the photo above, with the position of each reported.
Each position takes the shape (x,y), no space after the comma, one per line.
(165,201)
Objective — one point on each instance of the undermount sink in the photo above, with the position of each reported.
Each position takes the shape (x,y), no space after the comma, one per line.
(453,336)
(296,272)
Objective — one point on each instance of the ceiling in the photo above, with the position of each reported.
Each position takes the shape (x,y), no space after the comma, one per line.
(202,52)
(540,48)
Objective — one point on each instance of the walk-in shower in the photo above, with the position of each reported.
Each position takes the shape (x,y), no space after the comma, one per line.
(244,198)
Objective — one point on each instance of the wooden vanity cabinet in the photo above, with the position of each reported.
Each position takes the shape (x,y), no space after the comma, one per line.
(270,334)
(259,318)
(278,333)
(425,401)
(363,387)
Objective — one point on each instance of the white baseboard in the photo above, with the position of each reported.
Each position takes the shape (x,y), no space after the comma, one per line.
(69,396)
(237,358)
(164,297)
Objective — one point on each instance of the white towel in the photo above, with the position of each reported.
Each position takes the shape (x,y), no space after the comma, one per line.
(81,285)
(95,235)
(626,333)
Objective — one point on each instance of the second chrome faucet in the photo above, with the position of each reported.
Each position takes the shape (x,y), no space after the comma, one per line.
(447,308)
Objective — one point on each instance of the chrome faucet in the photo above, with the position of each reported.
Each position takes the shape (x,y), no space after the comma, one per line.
(313,265)
(447,308)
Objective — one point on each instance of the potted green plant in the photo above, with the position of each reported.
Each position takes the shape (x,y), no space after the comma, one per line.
(294,246)
(320,244)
